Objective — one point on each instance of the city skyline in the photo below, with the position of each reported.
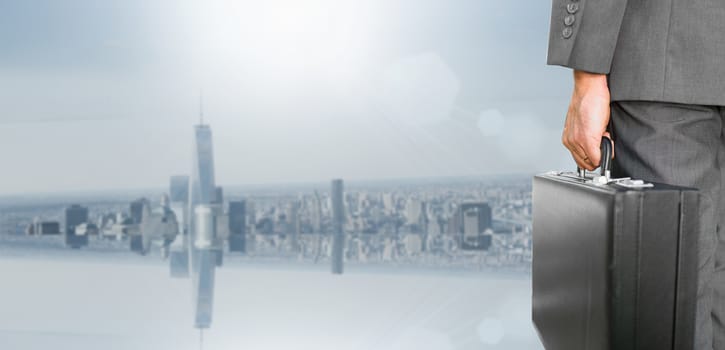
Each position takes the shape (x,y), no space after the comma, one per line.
(349,174)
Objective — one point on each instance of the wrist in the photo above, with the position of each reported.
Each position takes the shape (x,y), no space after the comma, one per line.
(590,84)
(587,79)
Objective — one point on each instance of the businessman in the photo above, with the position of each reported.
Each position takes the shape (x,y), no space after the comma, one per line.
(654,71)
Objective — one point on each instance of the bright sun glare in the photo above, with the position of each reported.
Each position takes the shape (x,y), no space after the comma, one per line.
(289,38)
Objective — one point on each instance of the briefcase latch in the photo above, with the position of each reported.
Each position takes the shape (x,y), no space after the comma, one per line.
(623,182)
(630,183)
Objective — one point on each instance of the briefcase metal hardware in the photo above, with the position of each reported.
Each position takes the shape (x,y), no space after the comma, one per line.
(626,182)
(605,177)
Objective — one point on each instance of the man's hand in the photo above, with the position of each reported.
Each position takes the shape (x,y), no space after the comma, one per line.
(587,119)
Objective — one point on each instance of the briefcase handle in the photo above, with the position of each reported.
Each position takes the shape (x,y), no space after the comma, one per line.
(605,164)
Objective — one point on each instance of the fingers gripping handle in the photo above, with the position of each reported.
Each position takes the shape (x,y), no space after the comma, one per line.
(605,164)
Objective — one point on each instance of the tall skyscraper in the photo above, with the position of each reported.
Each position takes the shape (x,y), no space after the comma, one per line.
(202,188)
(202,243)
(237,226)
(338,219)
(203,287)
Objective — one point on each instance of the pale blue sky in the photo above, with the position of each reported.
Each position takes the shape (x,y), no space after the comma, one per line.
(103,94)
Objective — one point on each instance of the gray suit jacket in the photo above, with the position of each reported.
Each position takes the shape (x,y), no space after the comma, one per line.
(653,50)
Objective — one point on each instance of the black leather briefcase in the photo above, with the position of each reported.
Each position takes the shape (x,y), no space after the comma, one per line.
(614,262)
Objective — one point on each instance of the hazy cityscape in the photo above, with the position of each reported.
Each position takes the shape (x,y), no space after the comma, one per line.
(414,222)
(479,225)
(272,174)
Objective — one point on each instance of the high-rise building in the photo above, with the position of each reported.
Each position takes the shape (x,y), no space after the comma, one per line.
(293,223)
(202,241)
(316,214)
(237,217)
(237,226)
(207,258)
(202,189)
(413,211)
(479,218)
(75,215)
(416,215)
(293,218)
(179,188)
(218,195)
(205,226)
(179,205)
(338,219)
(47,228)
(470,222)
(203,289)
(136,209)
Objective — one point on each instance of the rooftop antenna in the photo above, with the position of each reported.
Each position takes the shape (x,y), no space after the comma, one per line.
(201,107)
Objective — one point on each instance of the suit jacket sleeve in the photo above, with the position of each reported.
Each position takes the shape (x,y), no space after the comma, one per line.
(584,33)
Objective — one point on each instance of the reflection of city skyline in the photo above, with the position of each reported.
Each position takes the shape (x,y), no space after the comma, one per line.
(389,227)
(194,223)
(98,97)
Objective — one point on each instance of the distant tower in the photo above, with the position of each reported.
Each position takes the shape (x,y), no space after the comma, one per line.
(202,243)
(338,218)
(202,189)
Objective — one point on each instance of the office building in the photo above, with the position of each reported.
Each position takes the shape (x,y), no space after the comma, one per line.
(338,219)
(179,188)
(136,209)
(203,289)
(470,223)
(202,186)
(75,215)
(237,226)
(47,228)
(471,218)
(218,195)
